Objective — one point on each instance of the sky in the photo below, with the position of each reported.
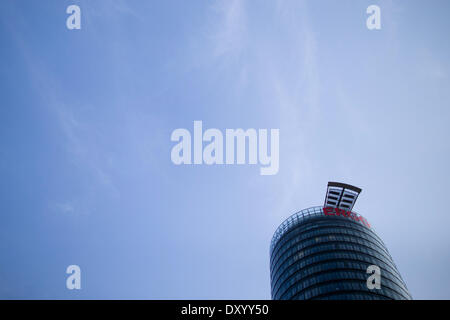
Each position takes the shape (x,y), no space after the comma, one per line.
(87,117)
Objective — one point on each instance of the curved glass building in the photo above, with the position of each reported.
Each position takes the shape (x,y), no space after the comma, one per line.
(324,253)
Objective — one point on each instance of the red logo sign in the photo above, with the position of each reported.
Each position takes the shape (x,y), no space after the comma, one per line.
(330,211)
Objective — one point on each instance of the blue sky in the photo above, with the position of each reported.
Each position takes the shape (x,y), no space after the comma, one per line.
(87,116)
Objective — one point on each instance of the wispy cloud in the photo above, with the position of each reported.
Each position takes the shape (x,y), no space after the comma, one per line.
(65,208)
(297,92)
(280,63)
(76,132)
(229,32)
(111,9)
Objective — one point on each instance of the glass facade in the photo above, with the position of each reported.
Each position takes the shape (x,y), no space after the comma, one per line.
(324,253)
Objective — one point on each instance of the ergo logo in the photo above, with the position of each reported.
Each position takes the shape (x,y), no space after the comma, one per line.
(330,211)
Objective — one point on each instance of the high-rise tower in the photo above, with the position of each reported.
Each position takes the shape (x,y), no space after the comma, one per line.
(324,253)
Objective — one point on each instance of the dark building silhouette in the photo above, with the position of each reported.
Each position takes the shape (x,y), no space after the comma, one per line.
(324,252)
